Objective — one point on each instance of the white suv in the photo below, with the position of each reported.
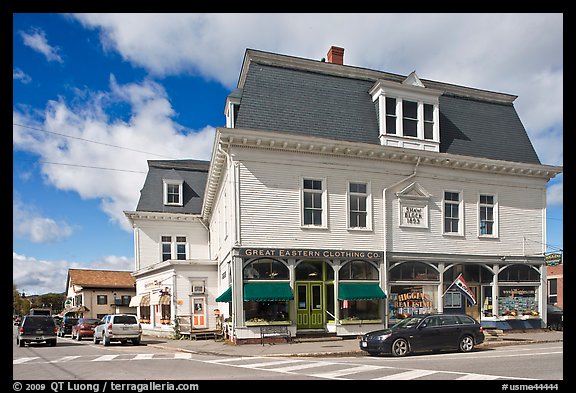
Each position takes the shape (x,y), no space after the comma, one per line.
(118,327)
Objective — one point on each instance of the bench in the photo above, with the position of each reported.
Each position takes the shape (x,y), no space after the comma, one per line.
(275,331)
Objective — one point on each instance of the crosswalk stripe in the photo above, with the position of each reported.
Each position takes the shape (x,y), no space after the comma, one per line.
(65,359)
(143,356)
(231,359)
(476,376)
(182,355)
(299,367)
(104,358)
(256,365)
(346,371)
(23,360)
(412,374)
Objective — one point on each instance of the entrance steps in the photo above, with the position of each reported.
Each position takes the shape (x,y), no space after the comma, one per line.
(315,335)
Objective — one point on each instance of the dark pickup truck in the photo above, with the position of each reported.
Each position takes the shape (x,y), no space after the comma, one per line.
(37,328)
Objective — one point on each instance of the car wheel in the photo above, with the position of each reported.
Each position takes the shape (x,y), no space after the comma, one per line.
(136,341)
(53,343)
(400,347)
(21,343)
(95,339)
(78,337)
(106,341)
(466,344)
(373,353)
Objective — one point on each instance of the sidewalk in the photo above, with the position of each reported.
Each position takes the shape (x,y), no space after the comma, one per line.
(324,347)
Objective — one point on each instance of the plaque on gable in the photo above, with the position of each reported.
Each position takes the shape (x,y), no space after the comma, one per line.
(413,206)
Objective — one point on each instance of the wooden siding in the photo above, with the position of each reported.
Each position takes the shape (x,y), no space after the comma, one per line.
(270,211)
(151,232)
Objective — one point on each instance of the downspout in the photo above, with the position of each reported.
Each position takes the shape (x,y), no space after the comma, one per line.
(385,270)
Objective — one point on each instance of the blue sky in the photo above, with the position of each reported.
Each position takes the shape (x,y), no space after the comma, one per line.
(96,95)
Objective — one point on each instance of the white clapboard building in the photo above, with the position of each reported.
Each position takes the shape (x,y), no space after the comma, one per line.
(340,199)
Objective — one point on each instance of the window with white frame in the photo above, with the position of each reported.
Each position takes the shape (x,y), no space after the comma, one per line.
(452,213)
(313,196)
(358,205)
(408,113)
(487,215)
(173,194)
(174,247)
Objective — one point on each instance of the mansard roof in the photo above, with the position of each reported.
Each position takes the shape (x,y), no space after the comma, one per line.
(313,98)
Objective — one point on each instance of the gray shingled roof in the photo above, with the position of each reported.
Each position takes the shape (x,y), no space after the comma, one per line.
(194,173)
(336,107)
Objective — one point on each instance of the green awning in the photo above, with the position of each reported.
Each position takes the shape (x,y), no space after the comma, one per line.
(360,291)
(262,291)
(225,297)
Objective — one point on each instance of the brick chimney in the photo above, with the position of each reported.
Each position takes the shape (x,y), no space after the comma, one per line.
(336,55)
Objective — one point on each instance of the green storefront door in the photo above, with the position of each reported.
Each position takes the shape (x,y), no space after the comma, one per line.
(310,305)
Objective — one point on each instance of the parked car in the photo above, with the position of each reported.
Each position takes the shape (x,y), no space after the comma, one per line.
(36,329)
(65,326)
(118,327)
(84,327)
(555,317)
(425,333)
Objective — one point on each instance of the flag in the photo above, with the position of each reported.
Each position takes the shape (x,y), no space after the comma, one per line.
(460,283)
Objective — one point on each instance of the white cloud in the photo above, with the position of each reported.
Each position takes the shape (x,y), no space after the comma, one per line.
(150,128)
(19,75)
(38,276)
(37,41)
(520,54)
(555,194)
(27,222)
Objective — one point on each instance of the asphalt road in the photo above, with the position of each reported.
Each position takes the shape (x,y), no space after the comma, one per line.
(73,360)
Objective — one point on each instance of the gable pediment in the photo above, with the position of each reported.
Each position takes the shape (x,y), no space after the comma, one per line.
(414,191)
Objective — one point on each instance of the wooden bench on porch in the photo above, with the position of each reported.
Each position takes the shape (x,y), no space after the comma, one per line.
(275,331)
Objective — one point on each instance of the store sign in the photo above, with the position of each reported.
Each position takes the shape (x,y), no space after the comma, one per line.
(308,253)
(553,259)
(412,300)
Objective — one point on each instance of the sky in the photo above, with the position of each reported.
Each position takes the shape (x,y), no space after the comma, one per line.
(97,95)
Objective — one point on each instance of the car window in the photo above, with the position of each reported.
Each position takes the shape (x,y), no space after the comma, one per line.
(432,321)
(38,322)
(125,319)
(466,320)
(90,321)
(446,320)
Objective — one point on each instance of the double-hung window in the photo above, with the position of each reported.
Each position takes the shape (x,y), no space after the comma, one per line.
(313,195)
(173,194)
(410,118)
(174,247)
(487,215)
(358,205)
(452,213)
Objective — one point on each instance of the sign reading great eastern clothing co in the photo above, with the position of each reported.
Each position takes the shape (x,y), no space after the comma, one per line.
(308,253)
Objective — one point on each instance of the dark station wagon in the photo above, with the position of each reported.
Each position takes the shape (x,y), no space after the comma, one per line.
(425,333)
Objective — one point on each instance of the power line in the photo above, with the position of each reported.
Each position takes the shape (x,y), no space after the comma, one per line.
(80,166)
(88,140)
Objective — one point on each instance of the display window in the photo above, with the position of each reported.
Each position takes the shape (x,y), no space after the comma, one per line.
(518,301)
(408,300)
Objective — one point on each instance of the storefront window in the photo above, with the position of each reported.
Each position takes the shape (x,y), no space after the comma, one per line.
(358,270)
(266,269)
(269,311)
(165,320)
(407,271)
(516,301)
(359,309)
(145,314)
(408,300)
(518,273)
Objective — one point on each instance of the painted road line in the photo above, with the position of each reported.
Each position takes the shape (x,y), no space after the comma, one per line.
(477,376)
(105,358)
(182,355)
(346,371)
(65,359)
(412,374)
(24,360)
(143,356)
(263,364)
(301,366)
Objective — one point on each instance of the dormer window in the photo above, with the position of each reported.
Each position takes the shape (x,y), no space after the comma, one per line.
(408,114)
(232,107)
(173,192)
